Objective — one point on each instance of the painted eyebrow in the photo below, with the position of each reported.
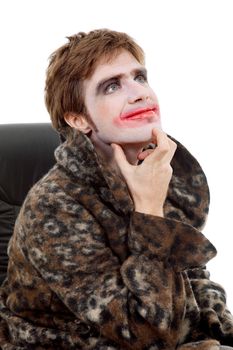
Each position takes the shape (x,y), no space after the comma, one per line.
(105,81)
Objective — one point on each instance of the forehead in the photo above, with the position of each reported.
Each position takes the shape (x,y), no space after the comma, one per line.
(121,63)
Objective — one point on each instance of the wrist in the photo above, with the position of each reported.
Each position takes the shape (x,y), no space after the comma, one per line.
(149,210)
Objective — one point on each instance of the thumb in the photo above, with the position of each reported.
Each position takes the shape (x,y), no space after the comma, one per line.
(120,157)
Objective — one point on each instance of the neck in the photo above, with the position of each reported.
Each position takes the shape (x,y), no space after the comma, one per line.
(132,150)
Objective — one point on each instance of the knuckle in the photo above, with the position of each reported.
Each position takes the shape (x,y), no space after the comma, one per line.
(169,173)
(163,149)
(173,145)
(166,169)
(169,169)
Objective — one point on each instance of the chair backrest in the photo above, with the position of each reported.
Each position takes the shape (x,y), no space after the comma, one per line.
(26,154)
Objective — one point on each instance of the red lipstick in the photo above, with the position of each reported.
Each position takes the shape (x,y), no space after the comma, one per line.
(138,117)
(139,113)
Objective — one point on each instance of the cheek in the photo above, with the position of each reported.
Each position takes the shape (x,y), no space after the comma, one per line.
(107,111)
(102,109)
(96,107)
(98,112)
(117,121)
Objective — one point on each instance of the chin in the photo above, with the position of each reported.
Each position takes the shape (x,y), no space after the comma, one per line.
(142,135)
(136,137)
(139,135)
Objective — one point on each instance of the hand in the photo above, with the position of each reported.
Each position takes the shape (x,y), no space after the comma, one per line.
(148,182)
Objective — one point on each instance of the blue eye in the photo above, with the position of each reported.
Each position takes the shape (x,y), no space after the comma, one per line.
(141,78)
(112,87)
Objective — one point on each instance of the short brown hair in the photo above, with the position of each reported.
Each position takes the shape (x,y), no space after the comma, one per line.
(75,61)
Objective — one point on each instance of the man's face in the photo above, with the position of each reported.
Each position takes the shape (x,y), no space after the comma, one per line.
(120,102)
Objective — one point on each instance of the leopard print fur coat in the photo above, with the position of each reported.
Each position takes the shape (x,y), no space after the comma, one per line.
(88,272)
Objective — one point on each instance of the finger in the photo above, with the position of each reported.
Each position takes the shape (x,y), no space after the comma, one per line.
(144,154)
(165,146)
(160,138)
(120,157)
(173,147)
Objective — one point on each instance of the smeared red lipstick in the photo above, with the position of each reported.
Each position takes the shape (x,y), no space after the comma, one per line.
(138,117)
(139,113)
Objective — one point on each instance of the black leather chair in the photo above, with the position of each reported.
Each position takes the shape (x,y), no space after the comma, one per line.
(26,154)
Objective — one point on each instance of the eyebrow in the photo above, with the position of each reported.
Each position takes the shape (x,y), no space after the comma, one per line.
(107,80)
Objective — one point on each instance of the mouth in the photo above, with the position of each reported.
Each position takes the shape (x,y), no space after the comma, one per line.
(140,113)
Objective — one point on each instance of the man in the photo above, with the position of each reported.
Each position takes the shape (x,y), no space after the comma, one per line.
(107,252)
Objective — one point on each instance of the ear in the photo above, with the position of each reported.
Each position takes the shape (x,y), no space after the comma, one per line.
(78,121)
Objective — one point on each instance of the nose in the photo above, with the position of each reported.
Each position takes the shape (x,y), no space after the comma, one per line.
(137,93)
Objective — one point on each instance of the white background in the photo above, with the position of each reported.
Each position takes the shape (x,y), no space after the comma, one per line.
(189,50)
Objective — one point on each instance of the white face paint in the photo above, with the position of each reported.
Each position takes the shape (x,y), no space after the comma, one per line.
(120,102)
